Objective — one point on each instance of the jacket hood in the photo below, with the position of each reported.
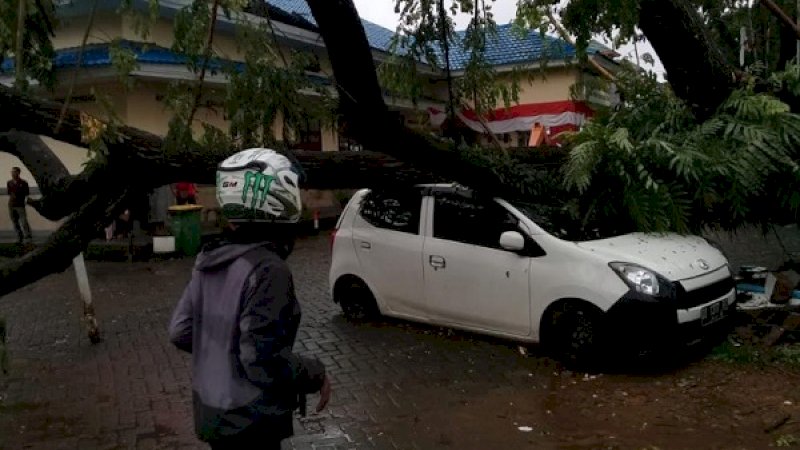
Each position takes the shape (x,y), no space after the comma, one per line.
(222,254)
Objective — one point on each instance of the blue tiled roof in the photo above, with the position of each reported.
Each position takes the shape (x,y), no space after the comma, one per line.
(379,37)
(508,46)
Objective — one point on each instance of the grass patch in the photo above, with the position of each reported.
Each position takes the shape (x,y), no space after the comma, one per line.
(787,440)
(787,355)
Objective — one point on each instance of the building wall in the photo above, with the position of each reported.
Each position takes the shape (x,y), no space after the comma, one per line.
(71,30)
(552,86)
(142,108)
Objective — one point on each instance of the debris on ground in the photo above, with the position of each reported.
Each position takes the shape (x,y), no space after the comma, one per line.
(758,288)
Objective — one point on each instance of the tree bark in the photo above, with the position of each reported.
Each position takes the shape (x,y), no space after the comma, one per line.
(135,164)
(50,174)
(696,68)
(361,102)
(63,245)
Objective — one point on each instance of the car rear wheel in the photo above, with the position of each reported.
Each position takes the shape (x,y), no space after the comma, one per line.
(356,300)
(575,334)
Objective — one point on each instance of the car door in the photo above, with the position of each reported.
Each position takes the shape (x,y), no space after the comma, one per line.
(469,280)
(387,240)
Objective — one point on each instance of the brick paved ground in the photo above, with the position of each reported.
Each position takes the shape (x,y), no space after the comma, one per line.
(396,385)
(132,390)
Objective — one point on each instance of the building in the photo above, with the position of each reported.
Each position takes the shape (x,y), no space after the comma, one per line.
(544,98)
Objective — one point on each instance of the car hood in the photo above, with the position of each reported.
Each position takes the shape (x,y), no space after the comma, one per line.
(674,256)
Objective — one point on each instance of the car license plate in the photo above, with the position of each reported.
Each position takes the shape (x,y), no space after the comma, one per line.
(713,312)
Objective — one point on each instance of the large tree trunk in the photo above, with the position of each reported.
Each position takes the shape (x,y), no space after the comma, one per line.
(696,68)
(135,164)
(137,160)
(361,102)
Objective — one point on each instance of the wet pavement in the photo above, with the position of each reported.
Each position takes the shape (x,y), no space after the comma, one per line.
(133,389)
(396,385)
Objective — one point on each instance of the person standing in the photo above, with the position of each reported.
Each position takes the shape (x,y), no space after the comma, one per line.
(18,192)
(185,193)
(238,316)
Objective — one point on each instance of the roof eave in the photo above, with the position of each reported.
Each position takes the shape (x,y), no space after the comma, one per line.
(524,65)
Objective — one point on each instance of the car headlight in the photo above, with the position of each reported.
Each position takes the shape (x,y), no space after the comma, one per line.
(640,279)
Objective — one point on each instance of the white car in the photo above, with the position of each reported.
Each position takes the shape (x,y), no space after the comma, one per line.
(443,255)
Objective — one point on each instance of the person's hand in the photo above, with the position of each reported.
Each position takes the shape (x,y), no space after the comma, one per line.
(324,394)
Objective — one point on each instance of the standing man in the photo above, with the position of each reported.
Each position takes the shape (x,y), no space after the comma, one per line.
(18,192)
(238,316)
(185,193)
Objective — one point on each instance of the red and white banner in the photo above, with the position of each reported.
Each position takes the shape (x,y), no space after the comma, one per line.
(555,116)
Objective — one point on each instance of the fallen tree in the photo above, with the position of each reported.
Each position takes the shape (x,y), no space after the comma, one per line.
(134,161)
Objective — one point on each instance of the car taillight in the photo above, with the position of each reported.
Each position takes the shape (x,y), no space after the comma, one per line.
(333,238)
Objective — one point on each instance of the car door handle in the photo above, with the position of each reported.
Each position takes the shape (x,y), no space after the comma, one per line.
(437,262)
(366,245)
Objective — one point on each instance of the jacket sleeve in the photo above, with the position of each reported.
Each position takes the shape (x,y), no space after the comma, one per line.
(26,191)
(180,327)
(267,318)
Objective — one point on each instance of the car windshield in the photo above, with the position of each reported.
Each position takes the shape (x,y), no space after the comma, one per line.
(559,222)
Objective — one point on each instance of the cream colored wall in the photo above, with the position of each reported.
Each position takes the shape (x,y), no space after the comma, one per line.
(534,87)
(162,34)
(330,140)
(71,30)
(145,111)
(554,86)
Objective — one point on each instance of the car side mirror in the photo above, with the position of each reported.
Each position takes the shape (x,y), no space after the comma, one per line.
(512,241)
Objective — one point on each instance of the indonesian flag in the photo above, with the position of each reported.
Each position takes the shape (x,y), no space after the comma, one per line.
(554,116)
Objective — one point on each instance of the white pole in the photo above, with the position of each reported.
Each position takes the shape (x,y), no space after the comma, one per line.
(742,44)
(86,295)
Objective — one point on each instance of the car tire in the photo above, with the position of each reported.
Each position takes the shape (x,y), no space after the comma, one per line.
(576,336)
(356,300)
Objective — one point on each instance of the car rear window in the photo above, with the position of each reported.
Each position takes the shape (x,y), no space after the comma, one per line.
(398,211)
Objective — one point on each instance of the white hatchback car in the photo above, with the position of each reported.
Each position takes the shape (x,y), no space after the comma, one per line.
(443,255)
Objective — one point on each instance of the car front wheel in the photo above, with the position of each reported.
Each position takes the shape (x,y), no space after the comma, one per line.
(576,335)
(356,300)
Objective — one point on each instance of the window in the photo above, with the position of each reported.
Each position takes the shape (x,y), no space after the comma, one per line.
(393,211)
(309,135)
(460,219)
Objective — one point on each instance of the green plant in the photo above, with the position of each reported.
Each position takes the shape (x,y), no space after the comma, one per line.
(648,166)
(787,440)
(787,355)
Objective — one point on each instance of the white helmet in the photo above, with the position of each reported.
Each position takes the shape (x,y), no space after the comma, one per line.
(259,185)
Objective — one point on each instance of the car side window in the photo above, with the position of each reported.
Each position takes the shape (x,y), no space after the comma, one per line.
(393,211)
(471,222)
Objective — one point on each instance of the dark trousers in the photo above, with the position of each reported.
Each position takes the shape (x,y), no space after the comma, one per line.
(190,200)
(19,218)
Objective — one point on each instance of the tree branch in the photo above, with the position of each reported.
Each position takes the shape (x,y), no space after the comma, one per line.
(79,63)
(696,68)
(212,25)
(61,192)
(361,102)
(62,246)
(780,14)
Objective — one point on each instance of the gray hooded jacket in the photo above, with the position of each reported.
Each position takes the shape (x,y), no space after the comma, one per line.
(238,317)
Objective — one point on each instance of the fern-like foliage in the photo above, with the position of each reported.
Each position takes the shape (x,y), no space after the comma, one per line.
(649,166)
